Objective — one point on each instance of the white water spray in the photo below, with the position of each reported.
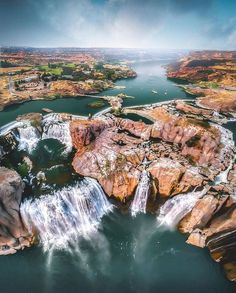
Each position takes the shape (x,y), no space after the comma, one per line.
(223,176)
(57,129)
(64,216)
(141,195)
(179,206)
(28,138)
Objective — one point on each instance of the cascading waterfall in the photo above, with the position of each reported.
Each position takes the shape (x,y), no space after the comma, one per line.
(57,129)
(179,206)
(141,195)
(28,137)
(61,218)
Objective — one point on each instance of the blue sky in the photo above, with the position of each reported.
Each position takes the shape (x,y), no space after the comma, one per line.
(161,24)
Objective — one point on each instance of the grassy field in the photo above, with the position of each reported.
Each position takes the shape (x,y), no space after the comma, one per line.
(58,68)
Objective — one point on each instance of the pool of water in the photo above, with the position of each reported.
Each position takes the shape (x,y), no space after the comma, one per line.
(126,255)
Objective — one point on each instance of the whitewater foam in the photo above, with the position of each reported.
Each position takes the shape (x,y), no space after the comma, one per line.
(177,207)
(141,195)
(61,218)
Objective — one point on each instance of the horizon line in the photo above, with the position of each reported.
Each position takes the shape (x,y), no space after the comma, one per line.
(119,48)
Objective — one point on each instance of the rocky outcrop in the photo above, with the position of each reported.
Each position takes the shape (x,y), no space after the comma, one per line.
(83,132)
(112,150)
(13,235)
(173,178)
(112,159)
(139,129)
(232,176)
(205,209)
(188,108)
(199,141)
(212,224)
(219,236)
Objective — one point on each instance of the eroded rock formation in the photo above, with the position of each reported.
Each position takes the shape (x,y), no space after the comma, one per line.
(13,235)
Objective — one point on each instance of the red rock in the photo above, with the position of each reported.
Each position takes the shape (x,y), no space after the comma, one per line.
(112,160)
(168,174)
(202,213)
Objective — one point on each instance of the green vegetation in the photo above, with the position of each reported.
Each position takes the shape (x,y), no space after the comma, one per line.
(58,69)
(97,104)
(205,84)
(6,64)
(23,169)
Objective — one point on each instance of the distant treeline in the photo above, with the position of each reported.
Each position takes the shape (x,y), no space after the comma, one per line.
(6,64)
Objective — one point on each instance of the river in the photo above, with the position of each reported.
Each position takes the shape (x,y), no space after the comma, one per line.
(127,254)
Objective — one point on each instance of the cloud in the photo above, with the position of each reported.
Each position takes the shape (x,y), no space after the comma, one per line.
(113,23)
(120,23)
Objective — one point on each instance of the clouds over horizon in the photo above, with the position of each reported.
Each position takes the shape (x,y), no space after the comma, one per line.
(119,23)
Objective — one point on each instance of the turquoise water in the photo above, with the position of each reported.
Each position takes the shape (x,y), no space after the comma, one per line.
(127,254)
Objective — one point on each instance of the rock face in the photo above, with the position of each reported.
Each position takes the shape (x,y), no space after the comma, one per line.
(173,178)
(84,132)
(13,234)
(187,108)
(198,140)
(107,142)
(212,224)
(111,158)
(204,210)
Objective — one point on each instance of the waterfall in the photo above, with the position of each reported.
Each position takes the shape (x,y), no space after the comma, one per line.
(179,206)
(61,218)
(28,137)
(141,195)
(55,128)
(223,176)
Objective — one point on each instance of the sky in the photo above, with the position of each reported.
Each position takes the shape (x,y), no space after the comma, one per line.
(158,24)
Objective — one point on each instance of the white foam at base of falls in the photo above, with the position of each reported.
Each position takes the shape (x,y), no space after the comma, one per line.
(141,195)
(28,138)
(62,217)
(175,208)
(55,128)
